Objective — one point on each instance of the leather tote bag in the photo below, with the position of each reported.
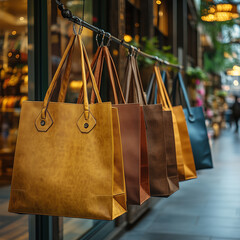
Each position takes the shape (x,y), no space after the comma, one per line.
(160,185)
(133,133)
(169,143)
(68,159)
(185,161)
(196,127)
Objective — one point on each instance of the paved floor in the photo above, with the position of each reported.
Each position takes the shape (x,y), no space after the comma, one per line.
(204,209)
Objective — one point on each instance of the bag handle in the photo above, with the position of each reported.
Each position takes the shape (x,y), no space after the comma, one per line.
(150,88)
(55,78)
(162,93)
(98,62)
(112,71)
(56,75)
(93,66)
(185,95)
(153,87)
(133,73)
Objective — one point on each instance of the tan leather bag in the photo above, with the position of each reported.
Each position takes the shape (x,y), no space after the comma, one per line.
(68,159)
(160,183)
(185,161)
(132,129)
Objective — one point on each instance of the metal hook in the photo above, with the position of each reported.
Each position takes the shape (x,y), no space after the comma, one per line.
(109,39)
(97,40)
(130,51)
(79,30)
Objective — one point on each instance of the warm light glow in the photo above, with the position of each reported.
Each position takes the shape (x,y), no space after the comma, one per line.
(14,32)
(9,54)
(76,85)
(235,71)
(234,55)
(208,18)
(223,16)
(21,18)
(226,87)
(224,7)
(235,83)
(212,9)
(160,13)
(127,38)
(17,56)
(220,13)
(236,68)
(226,55)
(115,52)
(158,2)
(136,25)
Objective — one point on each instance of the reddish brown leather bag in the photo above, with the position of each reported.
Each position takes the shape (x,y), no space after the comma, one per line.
(162,166)
(133,133)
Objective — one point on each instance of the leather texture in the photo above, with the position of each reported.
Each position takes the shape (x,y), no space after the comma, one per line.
(196,127)
(64,171)
(133,132)
(185,161)
(160,184)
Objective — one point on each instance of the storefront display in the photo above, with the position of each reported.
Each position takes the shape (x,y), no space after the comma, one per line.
(13,80)
(13,92)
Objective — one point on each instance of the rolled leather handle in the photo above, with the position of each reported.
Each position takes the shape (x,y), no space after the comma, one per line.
(184,91)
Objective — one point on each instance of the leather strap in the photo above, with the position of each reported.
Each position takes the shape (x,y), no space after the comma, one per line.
(150,88)
(98,72)
(184,91)
(55,78)
(117,78)
(132,73)
(152,92)
(162,93)
(95,87)
(84,59)
(80,97)
(112,74)
(140,82)
(128,79)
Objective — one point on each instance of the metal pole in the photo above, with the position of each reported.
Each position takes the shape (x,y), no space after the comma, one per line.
(66,13)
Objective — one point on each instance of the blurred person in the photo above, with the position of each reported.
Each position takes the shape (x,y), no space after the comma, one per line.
(236,112)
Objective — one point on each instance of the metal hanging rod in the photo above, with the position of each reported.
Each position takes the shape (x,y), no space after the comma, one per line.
(66,13)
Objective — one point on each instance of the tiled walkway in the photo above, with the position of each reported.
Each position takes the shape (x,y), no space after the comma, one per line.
(204,209)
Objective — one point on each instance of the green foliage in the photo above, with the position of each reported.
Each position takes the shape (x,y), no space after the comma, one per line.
(221,93)
(196,73)
(151,46)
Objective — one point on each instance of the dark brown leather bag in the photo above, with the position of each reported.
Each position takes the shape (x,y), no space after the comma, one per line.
(132,129)
(160,139)
(170,152)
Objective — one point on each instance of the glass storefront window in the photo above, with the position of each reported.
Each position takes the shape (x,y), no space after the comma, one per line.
(13,91)
(160,17)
